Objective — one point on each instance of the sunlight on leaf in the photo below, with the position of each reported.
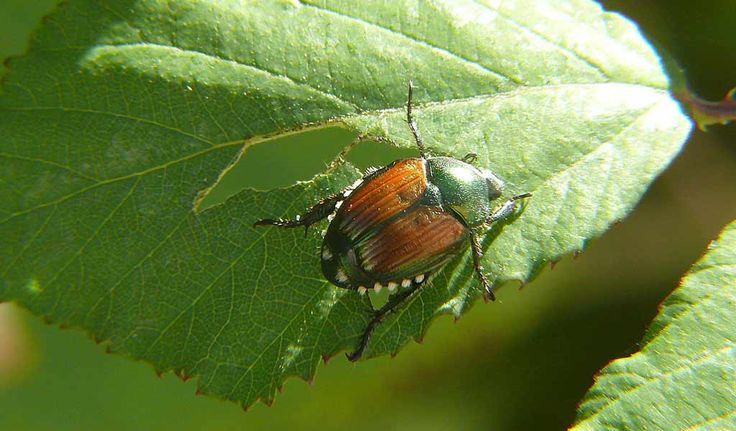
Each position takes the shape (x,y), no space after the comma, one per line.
(123,112)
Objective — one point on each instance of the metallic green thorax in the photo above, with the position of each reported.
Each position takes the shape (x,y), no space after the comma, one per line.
(463,189)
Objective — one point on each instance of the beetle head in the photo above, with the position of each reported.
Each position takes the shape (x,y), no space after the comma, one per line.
(495,184)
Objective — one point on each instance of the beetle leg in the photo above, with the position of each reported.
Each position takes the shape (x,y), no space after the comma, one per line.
(477,255)
(470,158)
(390,306)
(413,123)
(507,208)
(319,211)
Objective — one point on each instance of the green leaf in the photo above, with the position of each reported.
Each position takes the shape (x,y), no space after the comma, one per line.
(684,377)
(125,113)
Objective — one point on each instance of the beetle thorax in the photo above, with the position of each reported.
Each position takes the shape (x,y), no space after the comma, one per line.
(463,189)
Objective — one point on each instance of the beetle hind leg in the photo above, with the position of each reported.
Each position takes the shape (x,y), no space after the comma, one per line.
(393,303)
(319,211)
(477,255)
(505,210)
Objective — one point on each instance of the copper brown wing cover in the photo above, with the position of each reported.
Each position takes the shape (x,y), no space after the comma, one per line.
(393,236)
(420,241)
(382,196)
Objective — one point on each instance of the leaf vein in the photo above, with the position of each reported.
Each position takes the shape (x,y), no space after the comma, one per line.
(30,241)
(708,421)
(541,36)
(111,114)
(687,365)
(136,266)
(259,68)
(89,240)
(122,178)
(439,50)
(48,162)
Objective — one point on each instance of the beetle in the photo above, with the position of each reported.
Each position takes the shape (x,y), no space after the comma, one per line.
(400,223)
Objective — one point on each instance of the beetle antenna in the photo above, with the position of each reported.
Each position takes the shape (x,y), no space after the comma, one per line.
(413,123)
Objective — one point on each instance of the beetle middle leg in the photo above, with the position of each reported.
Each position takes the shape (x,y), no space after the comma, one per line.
(318,212)
(378,316)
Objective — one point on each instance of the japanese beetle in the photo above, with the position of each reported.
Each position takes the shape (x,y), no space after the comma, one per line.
(398,224)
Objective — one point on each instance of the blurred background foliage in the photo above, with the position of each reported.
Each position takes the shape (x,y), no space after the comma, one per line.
(521,363)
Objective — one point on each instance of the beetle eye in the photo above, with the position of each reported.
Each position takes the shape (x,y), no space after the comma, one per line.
(495,184)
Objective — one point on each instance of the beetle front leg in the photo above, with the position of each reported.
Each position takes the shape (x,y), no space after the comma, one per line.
(319,211)
(477,255)
(506,209)
(390,306)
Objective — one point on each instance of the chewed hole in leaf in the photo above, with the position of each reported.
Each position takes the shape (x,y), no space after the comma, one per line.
(282,162)
(377,154)
(378,299)
(279,163)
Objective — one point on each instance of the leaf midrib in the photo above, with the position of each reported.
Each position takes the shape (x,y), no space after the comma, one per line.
(277,134)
